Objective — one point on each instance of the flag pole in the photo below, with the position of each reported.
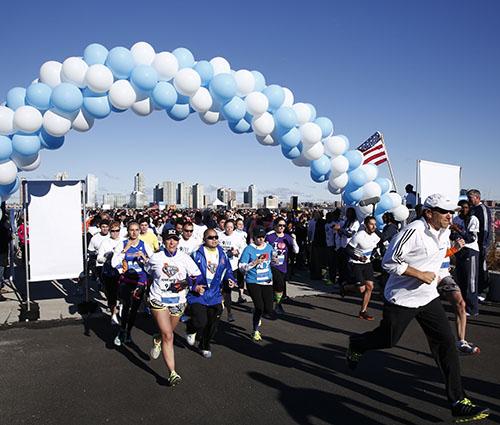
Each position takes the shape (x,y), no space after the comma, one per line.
(389,163)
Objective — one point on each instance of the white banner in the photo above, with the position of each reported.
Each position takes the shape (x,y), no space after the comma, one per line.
(436,177)
(55,229)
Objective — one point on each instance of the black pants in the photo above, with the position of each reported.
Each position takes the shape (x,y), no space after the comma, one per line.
(432,319)
(333,263)
(110,289)
(203,322)
(467,261)
(343,266)
(131,301)
(262,297)
(317,261)
(483,282)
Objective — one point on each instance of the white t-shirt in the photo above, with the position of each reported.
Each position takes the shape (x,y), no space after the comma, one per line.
(198,231)
(166,270)
(473,227)
(212,256)
(188,246)
(353,228)
(363,244)
(106,249)
(235,242)
(96,241)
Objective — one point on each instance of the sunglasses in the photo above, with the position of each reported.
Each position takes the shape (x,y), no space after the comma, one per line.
(211,238)
(187,230)
(280,225)
(441,211)
(114,230)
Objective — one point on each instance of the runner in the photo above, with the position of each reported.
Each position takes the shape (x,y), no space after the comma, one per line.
(170,270)
(187,242)
(282,245)
(205,297)
(147,235)
(255,261)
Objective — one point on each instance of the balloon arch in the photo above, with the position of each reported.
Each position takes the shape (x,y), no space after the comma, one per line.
(75,93)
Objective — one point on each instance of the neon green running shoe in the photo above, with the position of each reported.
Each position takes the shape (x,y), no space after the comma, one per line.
(155,349)
(174,379)
(256,336)
(464,411)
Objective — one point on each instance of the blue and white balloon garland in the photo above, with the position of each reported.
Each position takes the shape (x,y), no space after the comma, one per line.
(75,93)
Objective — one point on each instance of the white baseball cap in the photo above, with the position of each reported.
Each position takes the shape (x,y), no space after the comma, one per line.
(437,200)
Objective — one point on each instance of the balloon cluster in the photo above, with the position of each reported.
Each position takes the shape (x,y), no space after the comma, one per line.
(75,93)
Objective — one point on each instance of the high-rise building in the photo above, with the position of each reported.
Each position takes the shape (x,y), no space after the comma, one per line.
(92,183)
(245,198)
(109,199)
(137,200)
(271,202)
(139,183)
(169,193)
(231,195)
(223,194)
(184,195)
(120,200)
(294,202)
(198,196)
(252,196)
(158,194)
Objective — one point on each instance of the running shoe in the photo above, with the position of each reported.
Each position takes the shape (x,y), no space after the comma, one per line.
(364,315)
(191,339)
(206,353)
(256,336)
(118,339)
(465,411)
(155,349)
(465,347)
(174,379)
(279,310)
(353,357)
(230,317)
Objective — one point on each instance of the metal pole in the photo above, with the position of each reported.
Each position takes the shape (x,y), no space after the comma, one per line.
(26,262)
(85,266)
(389,164)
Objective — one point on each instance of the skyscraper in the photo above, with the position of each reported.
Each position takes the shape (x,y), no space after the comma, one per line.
(169,193)
(92,183)
(198,196)
(271,202)
(252,196)
(158,193)
(222,195)
(139,185)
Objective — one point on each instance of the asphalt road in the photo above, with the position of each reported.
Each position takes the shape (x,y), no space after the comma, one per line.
(71,374)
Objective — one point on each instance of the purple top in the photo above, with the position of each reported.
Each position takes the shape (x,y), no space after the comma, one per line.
(281,246)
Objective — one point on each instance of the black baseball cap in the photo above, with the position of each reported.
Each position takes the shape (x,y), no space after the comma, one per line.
(169,232)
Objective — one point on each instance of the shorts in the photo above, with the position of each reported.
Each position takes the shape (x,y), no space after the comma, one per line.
(447,284)
(279,279)
(360,273)
(176,310)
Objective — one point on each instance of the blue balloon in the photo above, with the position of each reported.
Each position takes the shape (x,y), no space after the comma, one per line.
(385,184)
(356,195)
(16,97)
(38,96)
(182,100)
(97,105)
(144,78)
(326,126)
(290,152)
(164,95)
(285,118)
(235,109)
(26,144)
(95,53)
(260,81)
(290,139)
(206,71)
(9,189)
(239,127)
(223,87)
(276,96)
(184,57)
(66,97)
(355,159)
(321,178)
(384,204)
(313,111)
(50,142)
(346,196)
(179,112)
(121,62)
(357,177)
(5,148)
(321,166)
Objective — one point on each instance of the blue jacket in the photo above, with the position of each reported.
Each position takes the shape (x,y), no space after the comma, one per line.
(213,291)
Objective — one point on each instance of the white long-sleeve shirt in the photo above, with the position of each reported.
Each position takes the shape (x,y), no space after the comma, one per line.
(423,248)
(106,249)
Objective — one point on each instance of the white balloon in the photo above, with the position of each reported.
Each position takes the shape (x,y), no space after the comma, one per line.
(50,73)
(313,152)
(267,140)
(257,103)
(364,211)
(143,107)
(83,121)
(289,98)
(210,117)
(27,119)
(340,165)
(201,101)
(122,95)
(339,181)
(55,124)
(73,71)
(371,189)
(334,190)
(371,172)
(335,145)
(400,213)
(26,163)
(245,82)
(396,199)
(310,133)
(166,65)
(6,121)
(187,81)
(220,65)
(263,124)
(99,78)
(303,112)
(8,172)
(143,53)
(301,161)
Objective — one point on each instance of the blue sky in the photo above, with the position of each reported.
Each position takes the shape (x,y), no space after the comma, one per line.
(425,73)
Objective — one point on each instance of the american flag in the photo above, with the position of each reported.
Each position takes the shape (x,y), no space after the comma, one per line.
(373,150)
